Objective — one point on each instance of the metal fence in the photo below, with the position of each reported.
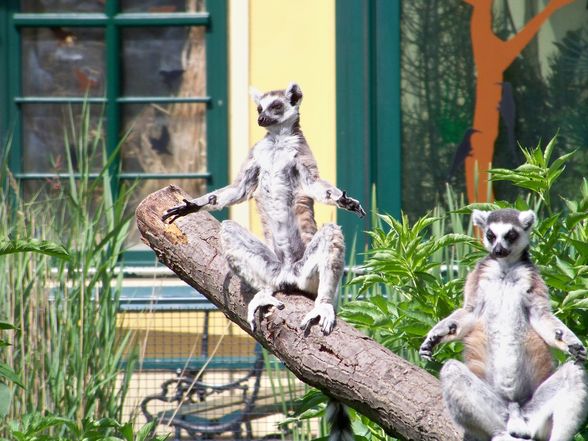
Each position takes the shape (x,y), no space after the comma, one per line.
(199,375)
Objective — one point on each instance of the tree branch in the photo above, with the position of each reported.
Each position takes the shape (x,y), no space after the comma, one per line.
(350,367)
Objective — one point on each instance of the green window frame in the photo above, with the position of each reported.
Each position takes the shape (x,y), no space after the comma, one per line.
(113,21)
(369,149)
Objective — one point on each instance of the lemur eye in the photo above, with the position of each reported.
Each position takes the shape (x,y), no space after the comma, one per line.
(490,236)
(259,109)
(511,236)
(277,106)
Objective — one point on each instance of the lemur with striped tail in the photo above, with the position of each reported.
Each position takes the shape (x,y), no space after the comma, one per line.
(282,176)
(508,388)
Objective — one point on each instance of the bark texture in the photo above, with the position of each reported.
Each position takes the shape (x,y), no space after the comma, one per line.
(350,367)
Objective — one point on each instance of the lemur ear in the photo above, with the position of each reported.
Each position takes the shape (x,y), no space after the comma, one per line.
(527,219)
(479,218)
(255,94)
(294,94)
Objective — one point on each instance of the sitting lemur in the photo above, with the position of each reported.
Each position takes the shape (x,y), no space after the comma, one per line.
(509,389)
(282,176)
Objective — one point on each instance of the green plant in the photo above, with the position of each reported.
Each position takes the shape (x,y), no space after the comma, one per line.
(66,350)
(414,274)
(37,427)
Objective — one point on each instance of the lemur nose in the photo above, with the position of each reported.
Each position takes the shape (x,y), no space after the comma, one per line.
(500,251)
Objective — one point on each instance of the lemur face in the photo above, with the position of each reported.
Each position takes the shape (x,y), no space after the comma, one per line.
(278,107)
(506,231)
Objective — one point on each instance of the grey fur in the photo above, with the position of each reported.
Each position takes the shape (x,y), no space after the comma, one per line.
(281,174)
(508,388)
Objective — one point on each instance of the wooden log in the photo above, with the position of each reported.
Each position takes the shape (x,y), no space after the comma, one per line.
(350,367)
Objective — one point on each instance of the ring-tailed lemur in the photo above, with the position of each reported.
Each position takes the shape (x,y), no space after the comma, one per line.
(282,175)
(508,387)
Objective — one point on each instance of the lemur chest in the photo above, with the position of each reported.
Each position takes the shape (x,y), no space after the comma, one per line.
(504,313)
(505,299)
(278,176)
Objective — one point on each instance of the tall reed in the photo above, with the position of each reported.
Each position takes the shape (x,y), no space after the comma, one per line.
(66,350)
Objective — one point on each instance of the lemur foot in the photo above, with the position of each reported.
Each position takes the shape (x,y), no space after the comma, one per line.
(261,299)
(517,425)
(326,314)
(504,437)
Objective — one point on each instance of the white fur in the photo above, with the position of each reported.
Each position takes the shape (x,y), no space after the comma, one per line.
(479,218)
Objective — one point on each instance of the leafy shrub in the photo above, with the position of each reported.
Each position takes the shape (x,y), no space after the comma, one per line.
(413,275)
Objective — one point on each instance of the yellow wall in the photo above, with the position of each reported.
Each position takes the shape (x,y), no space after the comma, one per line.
(295,41)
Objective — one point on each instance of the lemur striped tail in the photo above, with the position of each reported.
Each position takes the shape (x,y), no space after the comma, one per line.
(339,421)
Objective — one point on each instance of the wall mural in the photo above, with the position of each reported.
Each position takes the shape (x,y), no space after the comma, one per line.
(492,56)
(500,72)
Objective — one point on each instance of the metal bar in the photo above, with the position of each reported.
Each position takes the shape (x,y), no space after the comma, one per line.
(162,19)
(217,142)
(138,175)
(113,91)
(120,100)
(15,86)
(102,20)
(57,100)
(46,175)
(59,19)
(162,99)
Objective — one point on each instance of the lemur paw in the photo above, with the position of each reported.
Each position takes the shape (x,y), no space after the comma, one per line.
(180,210)
(578,352)
(260,300)
(350,204)
(426,349)
(326,314)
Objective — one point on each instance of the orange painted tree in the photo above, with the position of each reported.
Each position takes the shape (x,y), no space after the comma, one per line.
(492,56)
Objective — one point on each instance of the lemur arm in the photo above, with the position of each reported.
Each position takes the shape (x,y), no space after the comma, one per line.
(551,329)
(321,190)
(451,328)
(239,190)
(458,324)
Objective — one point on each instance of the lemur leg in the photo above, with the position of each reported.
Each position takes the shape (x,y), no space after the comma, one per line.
(472,404)
(324,258)
(253,262)
(559,403)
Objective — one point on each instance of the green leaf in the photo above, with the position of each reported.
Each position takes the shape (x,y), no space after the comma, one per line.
(6,325)
(145,431)
(6,372)
(33,245)
(5,399)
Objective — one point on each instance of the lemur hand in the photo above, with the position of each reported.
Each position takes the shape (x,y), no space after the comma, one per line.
(350,204)
(433,339)
(572,344)
(186,208)
(578,352)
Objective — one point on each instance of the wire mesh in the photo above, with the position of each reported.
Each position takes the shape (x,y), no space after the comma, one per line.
(200,376)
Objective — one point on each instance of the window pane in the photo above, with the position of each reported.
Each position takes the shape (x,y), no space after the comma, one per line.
(165,138)
(542,91)
(195,187)
(62,5)
(164,61)
(163,5)
(44,138)
(63,61)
